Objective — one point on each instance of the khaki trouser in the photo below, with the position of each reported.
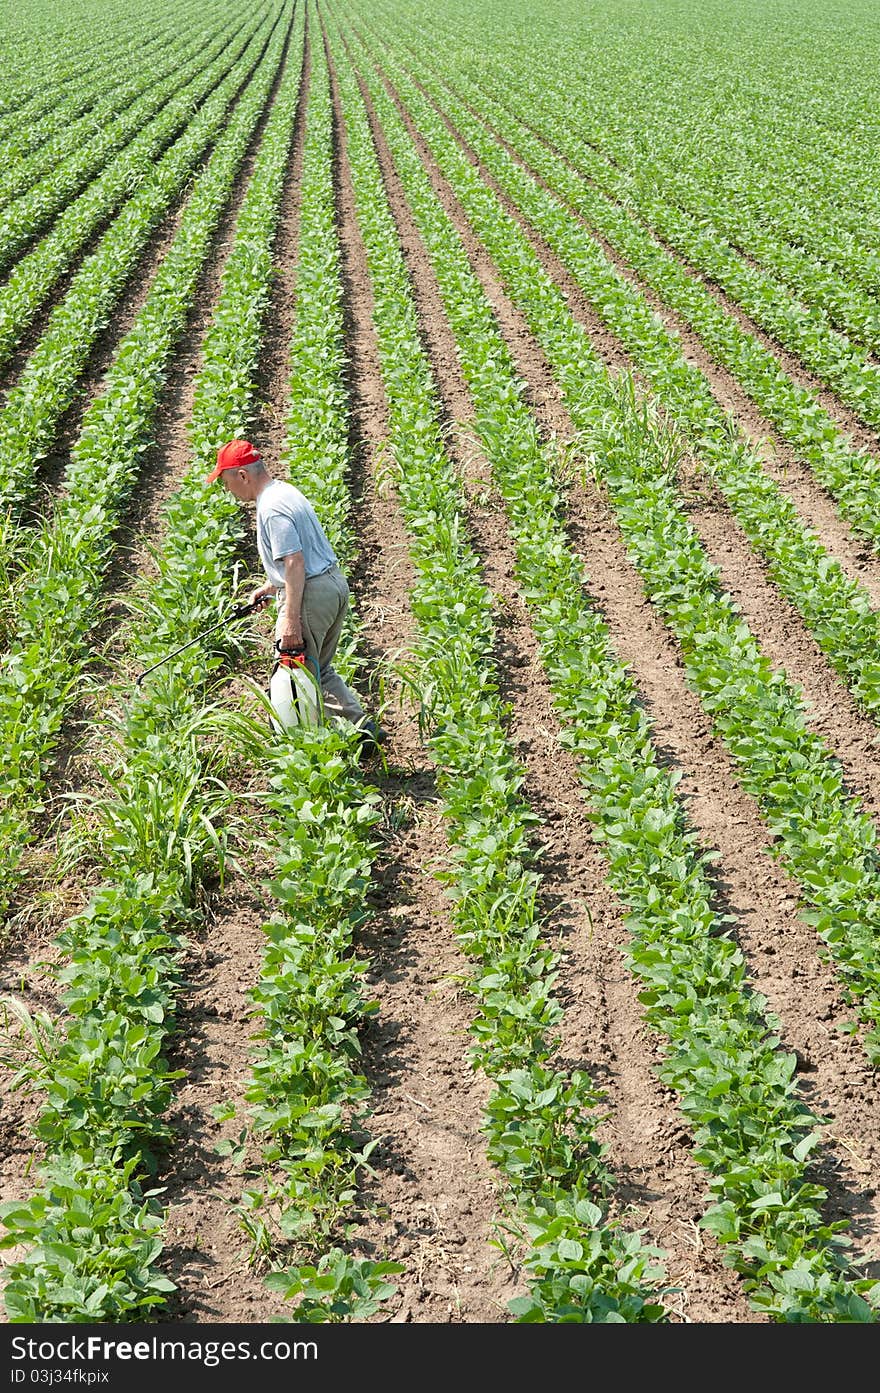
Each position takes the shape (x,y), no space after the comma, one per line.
(324,605)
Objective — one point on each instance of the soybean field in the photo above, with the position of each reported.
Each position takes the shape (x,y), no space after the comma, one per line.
(565,1005)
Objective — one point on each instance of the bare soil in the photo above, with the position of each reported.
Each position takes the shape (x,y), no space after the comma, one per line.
(603,1032)
(432,1200)
(434,1195)
(863,435)
(750,883)
(214,1024)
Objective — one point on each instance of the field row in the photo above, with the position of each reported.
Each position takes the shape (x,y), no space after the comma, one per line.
(484,261)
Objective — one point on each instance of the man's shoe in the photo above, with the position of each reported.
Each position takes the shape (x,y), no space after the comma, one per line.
(371,733)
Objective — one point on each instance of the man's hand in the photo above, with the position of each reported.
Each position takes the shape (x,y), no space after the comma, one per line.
(291,638)
(261,596)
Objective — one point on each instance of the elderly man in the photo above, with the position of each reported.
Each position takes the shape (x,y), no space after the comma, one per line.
(301,570)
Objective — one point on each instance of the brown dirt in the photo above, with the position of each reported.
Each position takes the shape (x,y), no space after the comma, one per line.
(780,948)
(433,1202)
(434,1194)
(273,379)
(207,1252)
(602,1031)
(214,1034)
(779,459)
(849,421)
(25,979)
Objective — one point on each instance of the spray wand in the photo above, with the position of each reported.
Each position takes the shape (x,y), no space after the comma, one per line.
(238,613)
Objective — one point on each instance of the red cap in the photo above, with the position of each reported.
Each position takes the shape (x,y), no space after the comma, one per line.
(235,454)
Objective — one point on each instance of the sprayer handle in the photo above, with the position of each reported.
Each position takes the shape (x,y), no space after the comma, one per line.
(242,610)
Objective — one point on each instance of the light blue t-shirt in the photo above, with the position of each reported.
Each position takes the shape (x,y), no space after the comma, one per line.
(286,523)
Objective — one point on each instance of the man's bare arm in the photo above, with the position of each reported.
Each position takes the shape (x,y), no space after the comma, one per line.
(294,584)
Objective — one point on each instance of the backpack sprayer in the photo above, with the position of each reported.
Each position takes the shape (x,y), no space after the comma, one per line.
(294,690)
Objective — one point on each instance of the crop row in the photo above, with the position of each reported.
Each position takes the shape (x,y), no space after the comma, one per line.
(836,608)
(55,72)
(101,98)
(667,178)
(848,474)
(58,594)
(47,385)
(720,1043)
(307,1098)
(847,304)
(823,835)
(39,271)
(25,217)
(540,1122)
(93,1231)
(799,225)
(777,151)
(803,329)
(60,92)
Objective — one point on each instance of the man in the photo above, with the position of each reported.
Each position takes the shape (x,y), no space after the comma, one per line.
(302,571)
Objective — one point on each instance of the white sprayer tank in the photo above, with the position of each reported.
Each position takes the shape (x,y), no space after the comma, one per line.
(294,695)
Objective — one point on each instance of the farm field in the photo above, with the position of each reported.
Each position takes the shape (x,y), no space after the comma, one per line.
(566,1005)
